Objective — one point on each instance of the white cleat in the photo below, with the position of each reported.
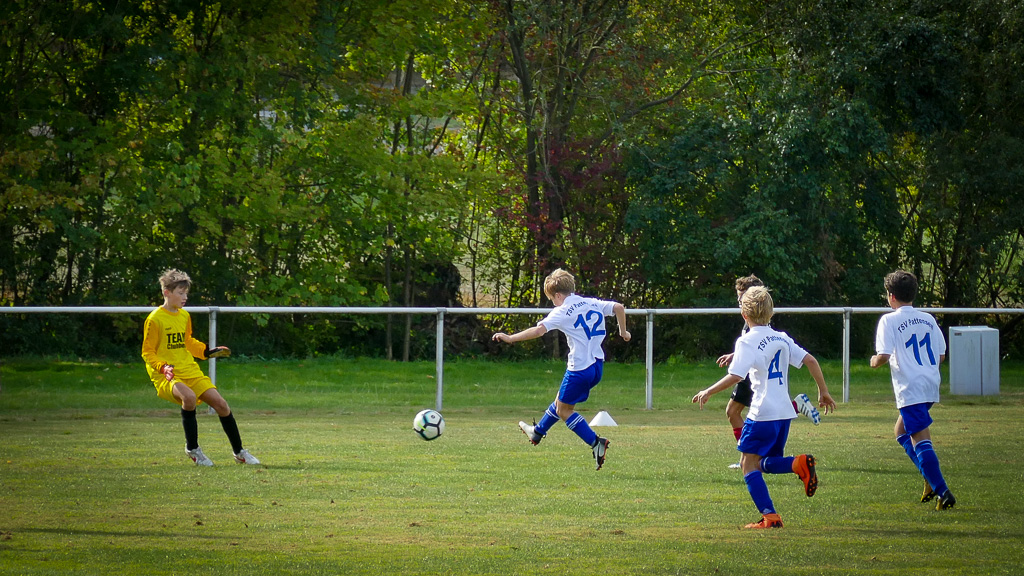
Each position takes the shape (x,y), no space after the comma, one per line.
(734,465)
(600,447)
(531,432)
(243,457)
(198,457)
(805,407)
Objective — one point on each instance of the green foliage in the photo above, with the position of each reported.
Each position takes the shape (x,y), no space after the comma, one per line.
(368,153)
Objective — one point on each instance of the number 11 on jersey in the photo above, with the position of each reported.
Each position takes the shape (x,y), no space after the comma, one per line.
(925,343)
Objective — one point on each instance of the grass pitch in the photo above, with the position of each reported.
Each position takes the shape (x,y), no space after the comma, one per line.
(94,480)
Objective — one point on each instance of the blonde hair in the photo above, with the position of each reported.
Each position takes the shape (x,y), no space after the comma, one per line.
(172,279)
(559,282)
(757,305)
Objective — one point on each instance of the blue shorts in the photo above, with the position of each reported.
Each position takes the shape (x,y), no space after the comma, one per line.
(916,417)
(764,438)
(576,385)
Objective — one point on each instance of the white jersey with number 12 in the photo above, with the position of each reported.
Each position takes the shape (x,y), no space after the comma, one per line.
(581,319)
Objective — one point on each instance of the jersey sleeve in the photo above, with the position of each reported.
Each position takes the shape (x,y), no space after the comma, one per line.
(742,359)
(553,320)
(796,353)
(938,341)
(150,341)
(195,347)
(883,342)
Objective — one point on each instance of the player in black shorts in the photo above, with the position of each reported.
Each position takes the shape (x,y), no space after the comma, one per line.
(742,394)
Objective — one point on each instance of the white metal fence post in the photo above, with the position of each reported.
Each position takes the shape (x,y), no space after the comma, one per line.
(439,359)
(847,327)
(650,360)
(212,362)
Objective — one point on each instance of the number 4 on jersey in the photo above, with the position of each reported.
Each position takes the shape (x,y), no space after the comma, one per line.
(774,370)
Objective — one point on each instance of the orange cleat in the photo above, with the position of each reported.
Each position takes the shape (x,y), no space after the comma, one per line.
(767,521)
(803,466)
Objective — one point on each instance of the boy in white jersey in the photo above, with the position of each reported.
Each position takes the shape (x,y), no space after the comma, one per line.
(765,355)
(911,342)
(581,319)
(170,352)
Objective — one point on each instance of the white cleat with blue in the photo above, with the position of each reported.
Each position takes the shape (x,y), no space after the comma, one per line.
(806,407)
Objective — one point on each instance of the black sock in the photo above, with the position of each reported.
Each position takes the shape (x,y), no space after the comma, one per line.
(231,429)
(188,422)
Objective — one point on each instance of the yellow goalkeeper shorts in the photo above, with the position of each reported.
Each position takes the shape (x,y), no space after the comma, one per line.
(198,385)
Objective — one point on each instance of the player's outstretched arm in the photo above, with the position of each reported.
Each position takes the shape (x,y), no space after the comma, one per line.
(825,400)
(528,334)
(727,381)
(620,318)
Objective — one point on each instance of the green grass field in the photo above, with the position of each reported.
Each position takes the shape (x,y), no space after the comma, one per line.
(93,478)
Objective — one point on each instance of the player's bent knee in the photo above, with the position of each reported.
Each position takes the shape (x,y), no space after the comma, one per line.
(217,402)
(564,411)
(185,396)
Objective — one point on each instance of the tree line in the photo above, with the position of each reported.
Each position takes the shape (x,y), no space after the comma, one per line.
(390,152)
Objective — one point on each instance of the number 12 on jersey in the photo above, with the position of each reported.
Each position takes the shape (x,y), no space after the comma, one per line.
(596,329)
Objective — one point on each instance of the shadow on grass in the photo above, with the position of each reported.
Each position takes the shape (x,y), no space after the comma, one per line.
(928,531)
(875,471)
(124,534)
(294,467)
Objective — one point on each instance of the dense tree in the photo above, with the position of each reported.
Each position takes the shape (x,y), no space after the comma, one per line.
(361,152)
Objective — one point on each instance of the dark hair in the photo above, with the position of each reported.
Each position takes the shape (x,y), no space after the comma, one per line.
(902,285)
(745,283)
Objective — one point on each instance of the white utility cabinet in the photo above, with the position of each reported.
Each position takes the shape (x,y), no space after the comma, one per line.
(974,360)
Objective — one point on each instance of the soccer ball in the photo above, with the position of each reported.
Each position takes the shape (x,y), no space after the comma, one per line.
(429,424)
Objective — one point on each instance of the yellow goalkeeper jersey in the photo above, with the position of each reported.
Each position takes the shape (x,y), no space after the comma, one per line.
(168,340)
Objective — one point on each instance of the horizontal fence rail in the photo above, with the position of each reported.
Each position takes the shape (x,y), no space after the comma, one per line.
(649,313)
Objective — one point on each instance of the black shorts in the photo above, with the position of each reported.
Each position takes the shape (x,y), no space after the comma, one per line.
(743,393)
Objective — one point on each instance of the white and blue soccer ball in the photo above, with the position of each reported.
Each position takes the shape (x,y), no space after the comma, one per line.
(429,424)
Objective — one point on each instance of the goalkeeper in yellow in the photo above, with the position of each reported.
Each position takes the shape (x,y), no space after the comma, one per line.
(170,352)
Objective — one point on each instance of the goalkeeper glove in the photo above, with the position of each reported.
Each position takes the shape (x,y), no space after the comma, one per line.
(218,352)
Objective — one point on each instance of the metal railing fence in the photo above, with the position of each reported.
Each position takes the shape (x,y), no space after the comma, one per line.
(649,313)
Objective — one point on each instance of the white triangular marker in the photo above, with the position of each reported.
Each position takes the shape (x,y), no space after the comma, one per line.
(603,418)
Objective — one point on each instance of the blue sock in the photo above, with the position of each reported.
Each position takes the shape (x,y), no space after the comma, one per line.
(930,466)
(778,465)
(578,424)
(908,447)
(547,420)
(759,492)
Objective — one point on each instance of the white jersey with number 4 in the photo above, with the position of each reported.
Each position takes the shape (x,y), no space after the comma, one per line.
(914,343)
(582,321)
(765,354)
